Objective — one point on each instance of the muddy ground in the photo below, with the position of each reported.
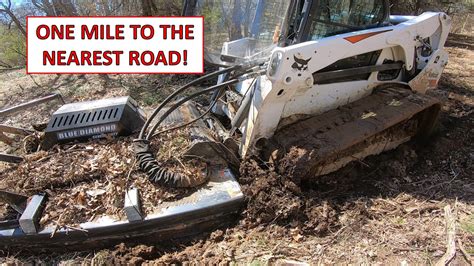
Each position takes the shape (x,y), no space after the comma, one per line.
(387,209)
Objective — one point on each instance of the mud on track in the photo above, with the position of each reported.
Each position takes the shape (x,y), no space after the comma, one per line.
(320,145)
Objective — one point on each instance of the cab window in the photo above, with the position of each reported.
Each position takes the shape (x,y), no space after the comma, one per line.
(333,17)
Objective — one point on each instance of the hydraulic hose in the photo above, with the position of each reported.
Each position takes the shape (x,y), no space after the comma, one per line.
(158,174)
(234,80)
(185,99)
(146,158)
(243,111)
(213,103)
(180,90)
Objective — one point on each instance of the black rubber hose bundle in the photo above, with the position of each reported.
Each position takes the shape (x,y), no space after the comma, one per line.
(186,99)
(180,90)
(145,156)
(156,173)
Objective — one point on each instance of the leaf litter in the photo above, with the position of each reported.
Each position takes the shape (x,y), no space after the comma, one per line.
(84,181)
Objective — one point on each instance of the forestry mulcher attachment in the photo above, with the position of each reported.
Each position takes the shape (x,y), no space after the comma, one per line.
(309,85)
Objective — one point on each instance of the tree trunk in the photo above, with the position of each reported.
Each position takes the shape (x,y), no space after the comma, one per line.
(44,6)
(235,29)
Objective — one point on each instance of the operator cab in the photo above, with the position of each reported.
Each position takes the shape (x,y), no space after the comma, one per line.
(237,31)
(312,20)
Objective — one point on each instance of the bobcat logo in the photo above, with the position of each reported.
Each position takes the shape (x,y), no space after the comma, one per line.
(300,63)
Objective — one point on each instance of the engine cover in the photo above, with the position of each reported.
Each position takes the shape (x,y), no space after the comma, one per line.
(93,119)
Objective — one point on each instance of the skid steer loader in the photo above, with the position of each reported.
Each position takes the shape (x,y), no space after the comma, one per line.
(310,85)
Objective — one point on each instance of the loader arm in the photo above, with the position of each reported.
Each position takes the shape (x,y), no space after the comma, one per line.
(289,91)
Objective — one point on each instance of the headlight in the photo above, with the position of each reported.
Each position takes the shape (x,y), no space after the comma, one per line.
(275,63)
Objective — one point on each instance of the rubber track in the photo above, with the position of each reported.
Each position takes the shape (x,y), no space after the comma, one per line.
(324,143)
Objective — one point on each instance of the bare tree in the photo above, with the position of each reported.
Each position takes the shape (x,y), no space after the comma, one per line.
(56,7)
(64,8)
(6,8)
(415,7)
(45,6)
(166,7)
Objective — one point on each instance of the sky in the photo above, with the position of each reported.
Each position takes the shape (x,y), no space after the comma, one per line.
(15,2)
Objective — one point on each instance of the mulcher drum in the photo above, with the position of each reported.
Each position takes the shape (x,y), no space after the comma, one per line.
(211,205)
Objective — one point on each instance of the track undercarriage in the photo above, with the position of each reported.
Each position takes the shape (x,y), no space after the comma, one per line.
(382,121)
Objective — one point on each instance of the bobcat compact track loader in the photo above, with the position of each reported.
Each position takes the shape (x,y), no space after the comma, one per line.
(315,84)
(310,85)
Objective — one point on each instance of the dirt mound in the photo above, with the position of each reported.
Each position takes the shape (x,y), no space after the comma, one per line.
(272,198)
(322,205)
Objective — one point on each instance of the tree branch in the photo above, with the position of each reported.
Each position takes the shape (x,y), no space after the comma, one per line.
(7,10)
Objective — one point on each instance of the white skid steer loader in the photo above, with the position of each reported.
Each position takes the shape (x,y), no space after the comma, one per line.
(310,85)
(313,85)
